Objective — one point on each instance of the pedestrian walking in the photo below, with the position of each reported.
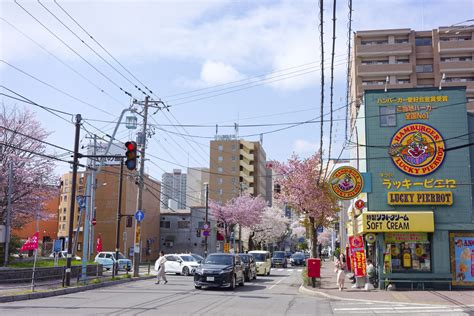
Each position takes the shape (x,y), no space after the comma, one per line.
(160,267)
(341,275)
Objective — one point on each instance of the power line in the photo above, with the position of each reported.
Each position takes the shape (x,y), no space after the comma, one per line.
(321,37)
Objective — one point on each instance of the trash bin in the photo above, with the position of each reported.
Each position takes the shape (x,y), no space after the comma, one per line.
(314,267)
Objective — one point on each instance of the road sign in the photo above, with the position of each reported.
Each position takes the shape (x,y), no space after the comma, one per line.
(226,247)
(93,222)
(81,201)
(205,233)
(359,204)
(139,215)
(206,226)
(57,245)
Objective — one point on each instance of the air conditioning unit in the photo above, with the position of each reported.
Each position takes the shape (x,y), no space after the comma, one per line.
(168,243)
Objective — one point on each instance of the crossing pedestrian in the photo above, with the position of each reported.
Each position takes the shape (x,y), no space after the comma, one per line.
(160,268)
(340,267)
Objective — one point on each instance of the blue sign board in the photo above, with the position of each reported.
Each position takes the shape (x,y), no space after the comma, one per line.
(57,245)
(139,215)
(81,201)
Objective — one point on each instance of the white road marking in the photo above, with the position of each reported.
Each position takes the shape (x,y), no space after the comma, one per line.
(271,287)
(290,270)
(413,308)
(300,270)
(280,270)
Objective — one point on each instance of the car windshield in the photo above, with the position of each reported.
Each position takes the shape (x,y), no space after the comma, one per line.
(197,257)
(298,255)
(188,258)
(121,256)
(278,255)
(259,257)
(219,259)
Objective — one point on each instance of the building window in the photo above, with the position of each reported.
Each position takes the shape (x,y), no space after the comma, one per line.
(165,224)
(455,59)
(220,191)
(373,82)
(234,169)
(423,41)
(403,81)
(375,62)
(220,158)
(234,147)
(388,118)
(220,169)
(63,227)
(401,41)
(460,79)
(234,180)
(220,147)
(64,197)
(373,42)
(407,252)
(470,99)
(233,158)
(403,60)
(220,181)
(64,210)
(184,224)
(424,68)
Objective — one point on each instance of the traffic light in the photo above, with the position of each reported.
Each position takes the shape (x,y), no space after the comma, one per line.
(131,155)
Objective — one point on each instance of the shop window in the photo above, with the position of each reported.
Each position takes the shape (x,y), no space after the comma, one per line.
(387,117)
(407,252)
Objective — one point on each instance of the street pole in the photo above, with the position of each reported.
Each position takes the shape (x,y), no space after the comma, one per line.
(92,200)
(207,217)
(137,240)
(9,212)
(73,199)
(85,235)
(119,217)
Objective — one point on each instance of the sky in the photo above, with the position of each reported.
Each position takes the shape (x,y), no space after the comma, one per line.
(211,62)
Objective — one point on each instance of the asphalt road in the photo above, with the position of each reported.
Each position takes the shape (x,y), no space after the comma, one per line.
(276,294)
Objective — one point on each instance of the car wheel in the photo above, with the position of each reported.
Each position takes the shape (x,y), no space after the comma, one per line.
(185,271)
(232,283)
(255,275)
(197,287)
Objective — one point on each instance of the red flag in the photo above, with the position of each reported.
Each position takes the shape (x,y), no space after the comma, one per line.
(31,243)
(99,244)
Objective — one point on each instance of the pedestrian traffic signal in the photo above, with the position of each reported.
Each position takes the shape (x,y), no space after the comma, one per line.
(131,155)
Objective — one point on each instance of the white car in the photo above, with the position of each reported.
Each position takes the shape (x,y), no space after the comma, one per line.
(183,264)
(63,255)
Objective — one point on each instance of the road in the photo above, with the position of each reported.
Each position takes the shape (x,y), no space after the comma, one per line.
(276,294)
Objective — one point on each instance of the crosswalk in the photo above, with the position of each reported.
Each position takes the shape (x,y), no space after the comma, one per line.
(357,308)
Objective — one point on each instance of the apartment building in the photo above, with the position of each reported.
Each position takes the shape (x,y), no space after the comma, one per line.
(404,58)
(236,165)
(195,189)
(173,194)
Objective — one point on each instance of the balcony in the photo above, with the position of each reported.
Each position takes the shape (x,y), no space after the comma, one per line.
(456,66)
(384,70)
(383,50)
(247,155)
(247,166)
(456,46)
(247,178)
(469,85)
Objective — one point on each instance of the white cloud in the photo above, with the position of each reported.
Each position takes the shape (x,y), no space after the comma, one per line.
(303,147)
(213,73)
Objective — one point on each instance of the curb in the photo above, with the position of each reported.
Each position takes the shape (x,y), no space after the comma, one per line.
(35,295)
(304,290)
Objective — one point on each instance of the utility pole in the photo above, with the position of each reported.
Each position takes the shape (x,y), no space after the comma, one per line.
(73,199)
(92,200)
(119,218)
(137,240)
(9,212)
(207,217)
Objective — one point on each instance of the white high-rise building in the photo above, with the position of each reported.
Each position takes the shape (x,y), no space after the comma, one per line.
(195,190)
(173,187)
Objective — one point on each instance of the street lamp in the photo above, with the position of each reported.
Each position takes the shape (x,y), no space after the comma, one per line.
(207,217)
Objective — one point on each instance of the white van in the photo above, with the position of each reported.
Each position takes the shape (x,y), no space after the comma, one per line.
(263,259)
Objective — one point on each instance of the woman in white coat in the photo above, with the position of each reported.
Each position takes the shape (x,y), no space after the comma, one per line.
(341,275)
(160,267)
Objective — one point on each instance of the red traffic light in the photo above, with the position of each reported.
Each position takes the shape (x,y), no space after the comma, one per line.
(131,145)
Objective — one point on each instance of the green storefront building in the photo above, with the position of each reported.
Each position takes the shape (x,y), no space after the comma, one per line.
(416,146)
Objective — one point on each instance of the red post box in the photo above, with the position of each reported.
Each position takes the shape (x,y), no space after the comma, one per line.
(314,267)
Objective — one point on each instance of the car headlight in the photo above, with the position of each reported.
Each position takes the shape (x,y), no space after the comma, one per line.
(227,270)
(198,271)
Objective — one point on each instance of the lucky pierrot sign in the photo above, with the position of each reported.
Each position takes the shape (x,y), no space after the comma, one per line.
(417,149)
(346,183)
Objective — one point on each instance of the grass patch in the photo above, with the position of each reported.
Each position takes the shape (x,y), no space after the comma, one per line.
(95,281)
(45,263)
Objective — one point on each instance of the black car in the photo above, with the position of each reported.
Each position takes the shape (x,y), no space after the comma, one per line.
(220,270)
(250,270)
(298,259)
(279,259)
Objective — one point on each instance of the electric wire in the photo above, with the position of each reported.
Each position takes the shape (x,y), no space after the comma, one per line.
(321,37)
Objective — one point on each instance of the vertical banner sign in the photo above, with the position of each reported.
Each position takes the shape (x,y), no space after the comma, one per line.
(356,245)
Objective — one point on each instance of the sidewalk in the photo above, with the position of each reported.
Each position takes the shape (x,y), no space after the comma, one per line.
(328,288)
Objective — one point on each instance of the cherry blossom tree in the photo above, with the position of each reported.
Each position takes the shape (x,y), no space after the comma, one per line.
(301,188)
(297,229)
(34,182)
(272,227)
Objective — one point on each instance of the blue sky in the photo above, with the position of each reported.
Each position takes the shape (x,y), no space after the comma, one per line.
(218,47)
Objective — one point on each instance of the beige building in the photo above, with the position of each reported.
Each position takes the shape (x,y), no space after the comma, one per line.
(404,58)
(236,165)
(195,186)
(106,204)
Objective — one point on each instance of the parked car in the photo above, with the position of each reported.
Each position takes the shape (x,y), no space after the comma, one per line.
(263,261)
(250,270)
(298,259)
(63,255)
(220,270)
(279,259)
(198,258)
(107,259)
(183,264)
(288,254)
